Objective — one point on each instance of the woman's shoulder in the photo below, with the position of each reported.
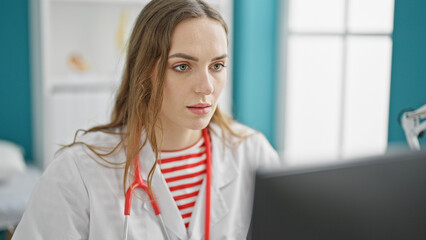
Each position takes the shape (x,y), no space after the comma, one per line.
(89,148)
(250,144)
(241,134)
(75,164)
(104,138)
(100,140)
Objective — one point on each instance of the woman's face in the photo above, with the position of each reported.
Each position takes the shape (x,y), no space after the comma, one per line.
(195,74)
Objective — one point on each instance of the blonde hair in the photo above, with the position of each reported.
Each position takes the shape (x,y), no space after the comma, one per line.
(138,102)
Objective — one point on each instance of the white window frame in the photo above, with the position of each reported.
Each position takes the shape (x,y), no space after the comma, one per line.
(284,35)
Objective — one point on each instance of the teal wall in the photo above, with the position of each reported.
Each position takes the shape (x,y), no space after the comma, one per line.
(255,55)
(15,103)
(408,81)
(15,94)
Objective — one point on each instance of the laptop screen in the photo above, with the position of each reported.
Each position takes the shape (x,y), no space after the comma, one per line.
(382,197)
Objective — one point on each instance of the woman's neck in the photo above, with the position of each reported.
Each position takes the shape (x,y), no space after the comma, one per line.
(176,138)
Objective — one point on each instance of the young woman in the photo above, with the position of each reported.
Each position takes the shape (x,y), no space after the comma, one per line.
(166,134)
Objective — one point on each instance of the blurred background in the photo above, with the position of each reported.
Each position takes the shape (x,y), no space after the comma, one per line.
(323,80)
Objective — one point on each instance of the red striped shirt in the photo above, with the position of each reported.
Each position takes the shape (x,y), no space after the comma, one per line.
(184,171)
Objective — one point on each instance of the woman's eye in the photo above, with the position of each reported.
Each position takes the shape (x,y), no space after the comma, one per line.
(181,67)
(218,66)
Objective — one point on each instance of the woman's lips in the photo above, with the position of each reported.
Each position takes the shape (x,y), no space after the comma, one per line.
(200,108)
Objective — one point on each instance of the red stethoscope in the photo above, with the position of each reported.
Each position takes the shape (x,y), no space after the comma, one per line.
(140,183)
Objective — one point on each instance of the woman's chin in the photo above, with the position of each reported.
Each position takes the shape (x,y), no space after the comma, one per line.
(199,124)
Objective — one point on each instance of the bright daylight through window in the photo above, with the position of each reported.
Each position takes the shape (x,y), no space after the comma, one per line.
(336,65)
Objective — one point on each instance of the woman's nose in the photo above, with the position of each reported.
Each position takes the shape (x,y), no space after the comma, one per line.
(204,83)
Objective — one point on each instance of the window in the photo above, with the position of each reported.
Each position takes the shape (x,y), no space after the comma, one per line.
(335,79)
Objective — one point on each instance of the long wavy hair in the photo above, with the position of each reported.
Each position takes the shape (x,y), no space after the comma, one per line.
(138,102)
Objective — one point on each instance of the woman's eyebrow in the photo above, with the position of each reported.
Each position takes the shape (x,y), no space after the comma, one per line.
(186,56)
(183,55)
(220,57)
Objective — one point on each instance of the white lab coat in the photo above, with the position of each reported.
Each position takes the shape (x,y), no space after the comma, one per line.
(77,198)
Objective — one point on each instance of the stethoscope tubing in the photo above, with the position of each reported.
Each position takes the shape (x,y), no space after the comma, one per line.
(208,183)
(139,183)
(163,227)
(126,227)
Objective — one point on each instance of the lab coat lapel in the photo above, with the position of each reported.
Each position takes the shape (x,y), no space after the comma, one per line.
(169,211)
(224,171)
